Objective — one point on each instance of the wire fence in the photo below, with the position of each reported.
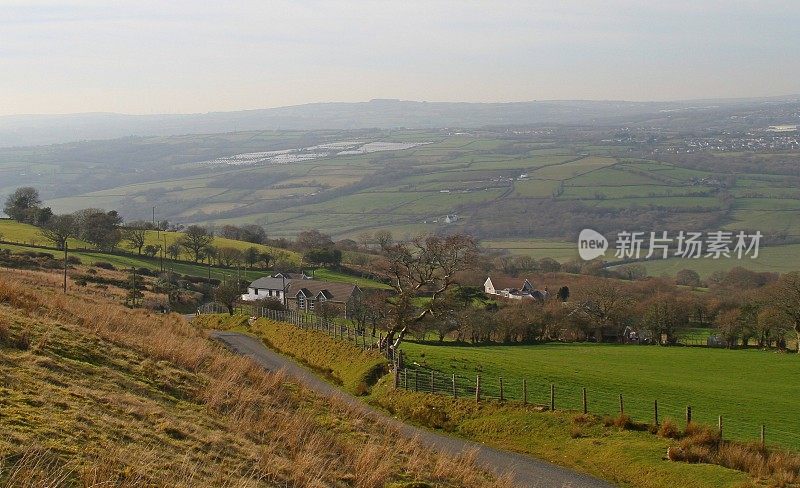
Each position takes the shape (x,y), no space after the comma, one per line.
(591,400)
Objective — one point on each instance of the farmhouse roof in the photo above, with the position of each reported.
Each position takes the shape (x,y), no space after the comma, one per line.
(338,292)
(507,282)
(268,283)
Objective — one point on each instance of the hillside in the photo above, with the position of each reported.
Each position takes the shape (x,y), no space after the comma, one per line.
(93,393)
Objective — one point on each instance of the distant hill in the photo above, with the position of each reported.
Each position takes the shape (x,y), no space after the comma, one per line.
(27,130)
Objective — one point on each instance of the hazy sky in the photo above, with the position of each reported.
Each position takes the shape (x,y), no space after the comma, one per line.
(196,56)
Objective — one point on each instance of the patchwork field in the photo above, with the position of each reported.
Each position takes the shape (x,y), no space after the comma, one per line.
(503,186)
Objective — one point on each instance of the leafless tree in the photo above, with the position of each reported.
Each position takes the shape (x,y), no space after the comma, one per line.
(426,265)
(59,229)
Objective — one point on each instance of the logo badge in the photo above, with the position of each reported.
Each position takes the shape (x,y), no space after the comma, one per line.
(591,244)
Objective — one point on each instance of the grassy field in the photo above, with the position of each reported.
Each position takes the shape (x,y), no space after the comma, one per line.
(129,261)
(775,259)
(748,388)
(535,248)
(12,231)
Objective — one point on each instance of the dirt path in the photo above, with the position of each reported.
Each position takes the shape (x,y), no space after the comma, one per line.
(528,472)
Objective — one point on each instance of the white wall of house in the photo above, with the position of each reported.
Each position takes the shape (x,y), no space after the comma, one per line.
(261,293)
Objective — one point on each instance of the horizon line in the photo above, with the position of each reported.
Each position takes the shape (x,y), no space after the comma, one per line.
(782,97)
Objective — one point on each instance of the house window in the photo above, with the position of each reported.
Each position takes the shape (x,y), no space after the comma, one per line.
(301,302)
(311,305)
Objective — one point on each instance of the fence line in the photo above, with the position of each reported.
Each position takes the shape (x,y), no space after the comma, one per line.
(550,396)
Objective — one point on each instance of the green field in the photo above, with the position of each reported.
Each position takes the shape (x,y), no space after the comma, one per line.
(536,248)
(130,261)
(28,234)
(748,388)
(22,234)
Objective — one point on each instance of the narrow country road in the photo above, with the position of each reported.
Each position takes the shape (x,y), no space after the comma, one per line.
(528,472)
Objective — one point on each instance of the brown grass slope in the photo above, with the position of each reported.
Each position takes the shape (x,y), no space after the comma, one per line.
(92,393)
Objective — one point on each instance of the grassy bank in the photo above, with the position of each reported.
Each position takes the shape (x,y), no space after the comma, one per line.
(342,363)
(94,394)
(627,458)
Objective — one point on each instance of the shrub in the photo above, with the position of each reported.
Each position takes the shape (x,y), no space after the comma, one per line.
(702,435)
(105,265)
(623,421)
(669,429)
(74,260)
(581,419)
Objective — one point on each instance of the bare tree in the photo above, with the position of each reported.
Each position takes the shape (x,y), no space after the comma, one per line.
(229,256)
(228,293)
(59,229)
(174,251)
(425,265)
(785,296)
(606,305)
(135,234)
(195,240)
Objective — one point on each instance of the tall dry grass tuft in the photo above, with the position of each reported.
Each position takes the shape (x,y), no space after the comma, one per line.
(34,467)
(703,444)
(294,437)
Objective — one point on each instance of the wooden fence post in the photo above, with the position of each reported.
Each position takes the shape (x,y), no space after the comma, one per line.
(552,397)
(405,378)
(501,389)
(433,381)
(416,380)
(719,426)
(585,404)
(688,414)
(621,405)
(524,391)
(478,389)
(455,391)
(655,411)
(763,434)
(396,378)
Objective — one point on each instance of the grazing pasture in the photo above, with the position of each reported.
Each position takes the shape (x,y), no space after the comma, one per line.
(747,387)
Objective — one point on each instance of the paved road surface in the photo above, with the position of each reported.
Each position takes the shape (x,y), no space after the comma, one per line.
(528,472)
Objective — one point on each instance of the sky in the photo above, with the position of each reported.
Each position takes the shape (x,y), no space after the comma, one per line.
(197,56)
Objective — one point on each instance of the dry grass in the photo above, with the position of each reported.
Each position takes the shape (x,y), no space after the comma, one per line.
(111,396)
(702,444)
